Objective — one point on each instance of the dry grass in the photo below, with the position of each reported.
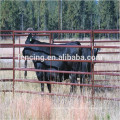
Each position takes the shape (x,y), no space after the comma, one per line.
(80,110)
(34,107)
(41,108)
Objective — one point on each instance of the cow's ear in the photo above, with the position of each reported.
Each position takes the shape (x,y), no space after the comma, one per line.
(30,35)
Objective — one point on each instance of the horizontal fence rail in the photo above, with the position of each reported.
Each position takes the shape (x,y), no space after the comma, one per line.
(63,95)
(56,31)
(23,35)
(71,72)
(75,84)
(44,45)
(88,41)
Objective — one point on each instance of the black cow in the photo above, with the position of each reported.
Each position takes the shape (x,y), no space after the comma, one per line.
(86,66)
(56,65)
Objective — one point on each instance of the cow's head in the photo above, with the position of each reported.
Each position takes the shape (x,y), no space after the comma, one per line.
(28,50)
(30,39)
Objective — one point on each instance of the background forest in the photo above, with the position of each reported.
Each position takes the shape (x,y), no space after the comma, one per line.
(59,14)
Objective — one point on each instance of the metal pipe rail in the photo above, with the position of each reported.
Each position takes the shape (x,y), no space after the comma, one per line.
(65,31)
(62,95)
(56,31)
(51,45)
(70,72)
(87,41)
(10,80)
(6,30)
(106,31)
(6,80)
(6,68)
(7,35)
(63,83)
(108,52)
(95,61)
(73,46)
(105,80)
(6,45)
(44,45)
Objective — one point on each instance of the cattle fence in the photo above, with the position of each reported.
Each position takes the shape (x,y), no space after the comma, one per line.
(50,35)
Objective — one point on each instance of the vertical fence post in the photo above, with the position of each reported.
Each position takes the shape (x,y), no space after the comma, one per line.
(13,62)
(19,59)
(50,38)
(92,64)
(51,57)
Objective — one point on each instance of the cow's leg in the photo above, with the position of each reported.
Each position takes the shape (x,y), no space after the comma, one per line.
(48,79)
(51,77)
(89,79)
(49,87)
(43,78)
(73,79)
(89,70)
(60,77)
(42,87)
(82,77)
(81,82)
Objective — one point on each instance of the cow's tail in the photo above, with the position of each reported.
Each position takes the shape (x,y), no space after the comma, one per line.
(25,74)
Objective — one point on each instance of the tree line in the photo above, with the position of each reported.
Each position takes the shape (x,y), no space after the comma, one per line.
(59,15)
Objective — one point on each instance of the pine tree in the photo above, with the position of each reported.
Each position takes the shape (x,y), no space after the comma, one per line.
(6,15)
(30,15)
(37,14)
(22,14)
(90,14)
(44,15)
(53,15)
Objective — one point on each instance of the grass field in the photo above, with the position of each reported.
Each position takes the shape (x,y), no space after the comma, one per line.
(34,107)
